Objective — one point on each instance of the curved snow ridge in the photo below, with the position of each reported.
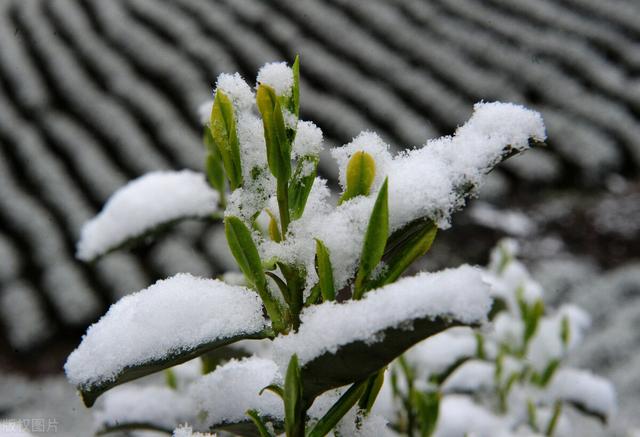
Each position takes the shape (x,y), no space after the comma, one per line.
(458,294)
(143,204)
(175,314)
(595,393)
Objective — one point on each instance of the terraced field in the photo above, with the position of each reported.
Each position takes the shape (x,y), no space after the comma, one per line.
(94,93)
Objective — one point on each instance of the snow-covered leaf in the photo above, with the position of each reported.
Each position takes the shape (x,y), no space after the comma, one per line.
(338,344)
(225,136)
(166,324)
(144,205)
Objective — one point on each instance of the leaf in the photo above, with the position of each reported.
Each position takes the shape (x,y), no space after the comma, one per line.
(278,147)
(225,136)
(428,406)
(325,272)
(293,401)
(375,240)
(301,184)
(338,410)
(359,359)
(273,388)
(403,254)
(295,92)
(361,171)
(94,367)
(213,163)
(274,232)
(246,255)
(260,425)
(374,384)
(170,379)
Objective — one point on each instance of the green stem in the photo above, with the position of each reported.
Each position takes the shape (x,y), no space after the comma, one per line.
(283,205)
(557,409)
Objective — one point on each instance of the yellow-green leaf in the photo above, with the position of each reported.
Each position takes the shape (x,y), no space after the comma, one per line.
(325,272)
(293,408)
(225,137)
(361,170)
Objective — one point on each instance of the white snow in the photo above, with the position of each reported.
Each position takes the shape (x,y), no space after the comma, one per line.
(460,416)
(186,431)
(472,376)
(427,182)
(436,354)
(144,203)
(278,75)
(204,112)
(457,293)
(174,314)
(134,404)
(253,150)
(238,91)
(225,394)
(308,140)
(510,222)
(583,387)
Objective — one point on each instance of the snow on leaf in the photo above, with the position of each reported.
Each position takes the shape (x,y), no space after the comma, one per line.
(144,204)
(168,323)
(338,344)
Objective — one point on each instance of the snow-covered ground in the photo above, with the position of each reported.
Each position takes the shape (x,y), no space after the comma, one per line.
(96,93)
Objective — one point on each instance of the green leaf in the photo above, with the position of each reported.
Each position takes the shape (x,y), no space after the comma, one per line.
(361,170)
(551,426)
(301,184)
(170,379)
(315,295)
(374,384)
(336,369)
(213,164)
(293,401)
(565,331)
(90,393)
(427,405)
(325,271)
(225,137)
(273,388)
(246,255)
(278,147)
(295,92)
(402,254)
(375,240)
(274,232)
(338,410)
(257,420)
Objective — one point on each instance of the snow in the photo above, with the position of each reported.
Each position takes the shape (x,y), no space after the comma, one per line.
(278,75)
(460,416)
(204,112)
(253,149)
(436,354)
(224,395)
(583,387)
(308,141)
(145,203)
(187,431)
(133,404)
(430,182)
(172,315)
(472,376)
(454,293)
(238,91)
(513,223)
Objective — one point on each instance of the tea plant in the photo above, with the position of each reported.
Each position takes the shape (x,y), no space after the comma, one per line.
(511,379)
(321,307)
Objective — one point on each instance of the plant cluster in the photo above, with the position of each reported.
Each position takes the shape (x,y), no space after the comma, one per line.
(321,307)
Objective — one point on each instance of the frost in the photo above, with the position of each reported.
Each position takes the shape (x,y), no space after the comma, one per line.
(455,293)
(228,392)
(277,75)
(172,315)
(143,204)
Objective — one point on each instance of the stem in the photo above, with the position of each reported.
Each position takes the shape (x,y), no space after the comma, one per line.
(283,205)
(557,409)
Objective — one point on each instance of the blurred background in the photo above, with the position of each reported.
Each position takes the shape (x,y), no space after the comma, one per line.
(95,93)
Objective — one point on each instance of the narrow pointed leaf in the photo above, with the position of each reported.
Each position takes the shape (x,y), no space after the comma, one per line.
(213,163)
(260,425)
(274,232)
(301,184)
(375,240)
(338,410)
(295,92)
(278,147)
(325,272)
(406,253)
(273,388)
(370,394)
(225,136)
(361,171)
(171,322)
(428,406)
(293,408)
(246,254)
